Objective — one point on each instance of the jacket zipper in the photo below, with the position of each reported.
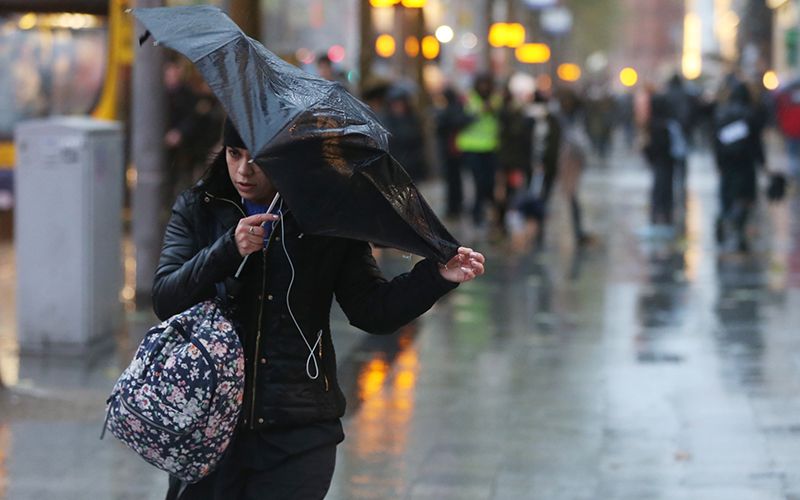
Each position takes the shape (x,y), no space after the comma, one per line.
(260,309)
(226,200)
(322,366)
(257,351)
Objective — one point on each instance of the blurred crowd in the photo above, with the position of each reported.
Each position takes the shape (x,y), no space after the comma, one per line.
(502,145)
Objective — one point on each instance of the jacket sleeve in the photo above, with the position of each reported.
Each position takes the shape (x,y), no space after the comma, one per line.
(376,305)
(187,273)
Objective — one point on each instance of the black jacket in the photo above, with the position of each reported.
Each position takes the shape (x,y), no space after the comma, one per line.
(199,258)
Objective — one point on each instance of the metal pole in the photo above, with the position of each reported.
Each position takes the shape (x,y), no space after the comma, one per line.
(247,14)
(366,43)
(148,128)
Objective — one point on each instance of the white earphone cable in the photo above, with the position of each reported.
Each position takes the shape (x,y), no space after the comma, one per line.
(312,359)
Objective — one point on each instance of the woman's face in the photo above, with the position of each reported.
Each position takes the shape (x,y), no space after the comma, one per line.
(248,178)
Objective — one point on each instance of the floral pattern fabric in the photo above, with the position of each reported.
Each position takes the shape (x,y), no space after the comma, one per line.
(178,402)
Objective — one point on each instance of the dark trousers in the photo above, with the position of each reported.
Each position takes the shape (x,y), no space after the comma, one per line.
(301,477)
(574,205)
(483,171)
(661,196)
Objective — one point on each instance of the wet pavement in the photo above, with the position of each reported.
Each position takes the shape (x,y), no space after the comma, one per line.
(633,369)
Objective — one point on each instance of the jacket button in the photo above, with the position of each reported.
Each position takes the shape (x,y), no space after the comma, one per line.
(206,199)
(259,297)
(245,421)
(269,297)
(277,238)
(263,361)
(260,420)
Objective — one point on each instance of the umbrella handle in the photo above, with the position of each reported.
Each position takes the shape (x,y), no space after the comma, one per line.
(244,261)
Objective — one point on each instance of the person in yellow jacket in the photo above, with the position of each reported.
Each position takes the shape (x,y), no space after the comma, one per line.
(479,141)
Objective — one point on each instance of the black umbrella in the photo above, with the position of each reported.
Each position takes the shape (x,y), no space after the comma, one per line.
(323,148)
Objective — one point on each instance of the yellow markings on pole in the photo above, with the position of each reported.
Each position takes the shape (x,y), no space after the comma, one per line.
(628,77)
(383,3)
(385,45)
(770,80)
(430,47)
(412,46)
(532,53)
(414,4)
(569,72)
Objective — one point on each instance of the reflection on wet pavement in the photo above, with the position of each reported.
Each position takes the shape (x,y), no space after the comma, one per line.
(633,369)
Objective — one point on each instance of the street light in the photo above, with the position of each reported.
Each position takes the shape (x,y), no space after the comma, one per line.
(385,45)
(770,80)
(533,53)
(506,35)
(444,33)
(430,47)
(628,77)
(412,46)
(569,72)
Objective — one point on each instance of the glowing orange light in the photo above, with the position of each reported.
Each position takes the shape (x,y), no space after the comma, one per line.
(385,45)
(371,379)
(569,72)
(412,46)
(533,53)
(430,47)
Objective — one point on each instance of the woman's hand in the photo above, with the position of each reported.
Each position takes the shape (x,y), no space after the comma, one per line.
(249,235)
(465,266)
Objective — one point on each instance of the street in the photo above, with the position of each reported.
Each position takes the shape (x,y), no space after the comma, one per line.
(631,369)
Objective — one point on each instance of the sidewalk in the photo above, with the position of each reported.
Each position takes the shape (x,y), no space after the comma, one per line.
(631,370)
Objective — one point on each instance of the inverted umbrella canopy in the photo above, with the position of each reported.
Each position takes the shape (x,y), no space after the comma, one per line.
(324,149)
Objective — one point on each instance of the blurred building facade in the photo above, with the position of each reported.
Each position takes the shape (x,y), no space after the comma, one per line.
(651,37)
(785,38)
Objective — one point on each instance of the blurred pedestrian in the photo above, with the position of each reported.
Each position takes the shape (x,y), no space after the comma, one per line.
(787,109)
(738,150)
(599,114)
(546,150)
(406,142)
(327,70)
(572,157)
(285,445)
(515,151)
(450,120)
(624,118)
(479,142)
(658,150)
(181,126)
(682,106)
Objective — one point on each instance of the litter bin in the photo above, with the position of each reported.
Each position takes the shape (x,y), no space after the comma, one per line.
(68,231)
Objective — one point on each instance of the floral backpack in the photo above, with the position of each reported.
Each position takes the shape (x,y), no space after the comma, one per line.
(178,402)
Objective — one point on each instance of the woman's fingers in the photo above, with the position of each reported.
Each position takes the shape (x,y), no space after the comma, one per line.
(258,219)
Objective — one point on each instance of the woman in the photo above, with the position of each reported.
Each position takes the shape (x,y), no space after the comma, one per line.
(285,446)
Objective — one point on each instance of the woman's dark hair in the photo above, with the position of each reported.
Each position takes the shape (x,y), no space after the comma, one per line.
(216,178)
